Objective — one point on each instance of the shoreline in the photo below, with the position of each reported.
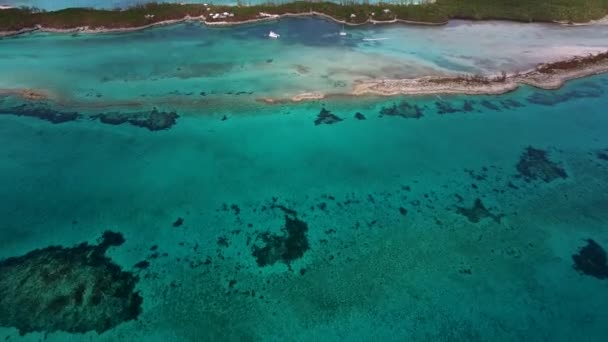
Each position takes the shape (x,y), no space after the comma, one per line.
(269,18)
(100,30)
(203,20)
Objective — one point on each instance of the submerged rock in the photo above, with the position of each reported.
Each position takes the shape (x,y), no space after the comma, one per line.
(178,222)
(75,289)
(534,164)
(359,116)
(445,107)
(43,113)
(490,105)
(478,212)
(326,117)
(511,104)
(591,260)
(402,109)
(153,120)
(289,246)
(551,98)
(602,154)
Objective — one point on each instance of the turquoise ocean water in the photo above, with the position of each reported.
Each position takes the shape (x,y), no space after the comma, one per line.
(392,250)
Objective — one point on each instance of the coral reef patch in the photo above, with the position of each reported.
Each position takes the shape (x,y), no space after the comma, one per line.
(42,113)
(556,97)
(359,116)
(490,105)
(153,120)
(402,109)
(535,164)
(591,260)
(478,212)
(326,117)
(445,107)
(602,154)
(289,246)
(76,289)
(511,104)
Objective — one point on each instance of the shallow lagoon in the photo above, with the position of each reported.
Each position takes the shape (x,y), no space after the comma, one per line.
(174,65)
(372,270)
(394,250)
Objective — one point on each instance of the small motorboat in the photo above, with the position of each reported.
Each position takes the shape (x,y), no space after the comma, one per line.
(273,35)
(342,32)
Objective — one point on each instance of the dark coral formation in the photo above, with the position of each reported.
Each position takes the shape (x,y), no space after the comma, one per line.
(153,120)
(444,107)
(591,260)
(490,105)
(402,109)
(478,212)
(43,113)
(76,289)
(178,222)
(326,117)
(602,154)
(289,246)
(359,116)
(511,104)
(556,97)
(534,164)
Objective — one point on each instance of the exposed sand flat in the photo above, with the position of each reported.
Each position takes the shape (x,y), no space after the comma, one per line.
(308,96)
(431,85)
(545,76)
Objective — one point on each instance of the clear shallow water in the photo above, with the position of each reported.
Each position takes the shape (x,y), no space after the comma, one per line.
(371,272)
(173,65)
(391,256)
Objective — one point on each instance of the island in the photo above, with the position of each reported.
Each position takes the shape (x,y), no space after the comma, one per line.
(437,12)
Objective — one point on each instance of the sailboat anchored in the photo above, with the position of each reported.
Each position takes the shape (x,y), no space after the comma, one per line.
(273,35)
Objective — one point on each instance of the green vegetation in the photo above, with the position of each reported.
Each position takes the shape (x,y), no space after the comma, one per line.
(527,10)
(16,19)
(438,12)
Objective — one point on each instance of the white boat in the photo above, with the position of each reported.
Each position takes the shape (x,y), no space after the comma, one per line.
(273,35)
(342,32)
